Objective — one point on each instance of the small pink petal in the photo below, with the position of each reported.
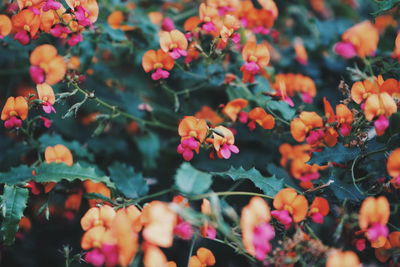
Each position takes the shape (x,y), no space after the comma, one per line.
(345,50)
(317,217)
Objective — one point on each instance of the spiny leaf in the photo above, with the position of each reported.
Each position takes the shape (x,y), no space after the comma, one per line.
(192,181)
(338,154)
(385,5)
(129,182)
(269,185)
(14,204)
(54,173)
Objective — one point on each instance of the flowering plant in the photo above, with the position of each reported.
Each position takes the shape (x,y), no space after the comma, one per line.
(200,133)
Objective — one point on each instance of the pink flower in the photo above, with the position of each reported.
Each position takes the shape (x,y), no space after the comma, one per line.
(283,217)
(46,122)
(235,38)
(243,117)
(22,37)
(13,122)
(261,236)
(51,5)
(80,15)
(345,50)
(251,67)
(381,124)
(227,149)
(317,217)
(315,136)
(59,30)
(184,230)
(48,108)
(167,24)
(186,148)
(95,257)
(309,177)
(208,27)
(306,98)
(37,74)
(177,53)
(159,74)
(360,244)
(377,230)
(75,39)
(345,129)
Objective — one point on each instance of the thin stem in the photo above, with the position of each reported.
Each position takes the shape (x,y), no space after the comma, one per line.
(163,192)
(191,249)
(277,117)
(250,258)
(229,193)
(119,112)
(369,66)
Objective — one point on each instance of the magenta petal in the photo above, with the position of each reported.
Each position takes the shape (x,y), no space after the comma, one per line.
(251,67)
(37,74)
(234,149)
(22,37)
(184,230)
(225,152)
(307,98)
(317,218)
(95,257)
(282,216)
(187,154)
(345,50)
(381,124)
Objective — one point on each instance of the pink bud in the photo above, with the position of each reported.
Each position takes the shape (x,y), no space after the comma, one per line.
(381,124)
(345,129)
(95,257)
(261,236)
(282,216)
(251,67)
(360,244)
(22,37)
(184,230)
(167,24)
(317,217)
(160,74)
(309,177)
(243,117)
(37,74)
(306,98)
(345,50)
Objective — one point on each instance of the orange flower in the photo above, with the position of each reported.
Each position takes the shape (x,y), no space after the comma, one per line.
(5,26)
(263,119)
(174,43)
(224,145)
(208,14)
(256,230)
(207,113)
(393,167)
(319,209)
(379,104)
(384,253)
(14,112)
(343,117)
(301,52)
(58,154)
(343,259)
(154,257)
(291,83)
(362,38)
(159,61)
(47,65)
(73,202)
(96,216)
(206,229)
(290,207)
(384,21)
(374,215)
(98,188)
(256,57)
(116,20)
(94,237)
(300,127)
(233,108)
(288,153)
(46,94)
(230,24)
(304,172)
(361,90)
(159,222)
(26,21)
(203,258)
(127,239)
(396,50)
(192,127)
(88,8)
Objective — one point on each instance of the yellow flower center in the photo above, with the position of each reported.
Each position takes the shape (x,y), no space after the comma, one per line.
(13,113)
(45,98)
(158,66)
(193,133)
(58,160)
(27,28)
(314,210)
(253,59)
(44,67)
(207,19)
(28,3)
(172,46)
(288,208)
(365,95)
(96,244)
(98,222)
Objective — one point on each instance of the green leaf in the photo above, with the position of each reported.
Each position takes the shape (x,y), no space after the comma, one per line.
(129,182)
(54,173)
(55,139)
(338,154)
(14,201)
(283,108)
(192,181)
(341,189)
(149,146)
(269,185)
(384,5)
(115,34)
